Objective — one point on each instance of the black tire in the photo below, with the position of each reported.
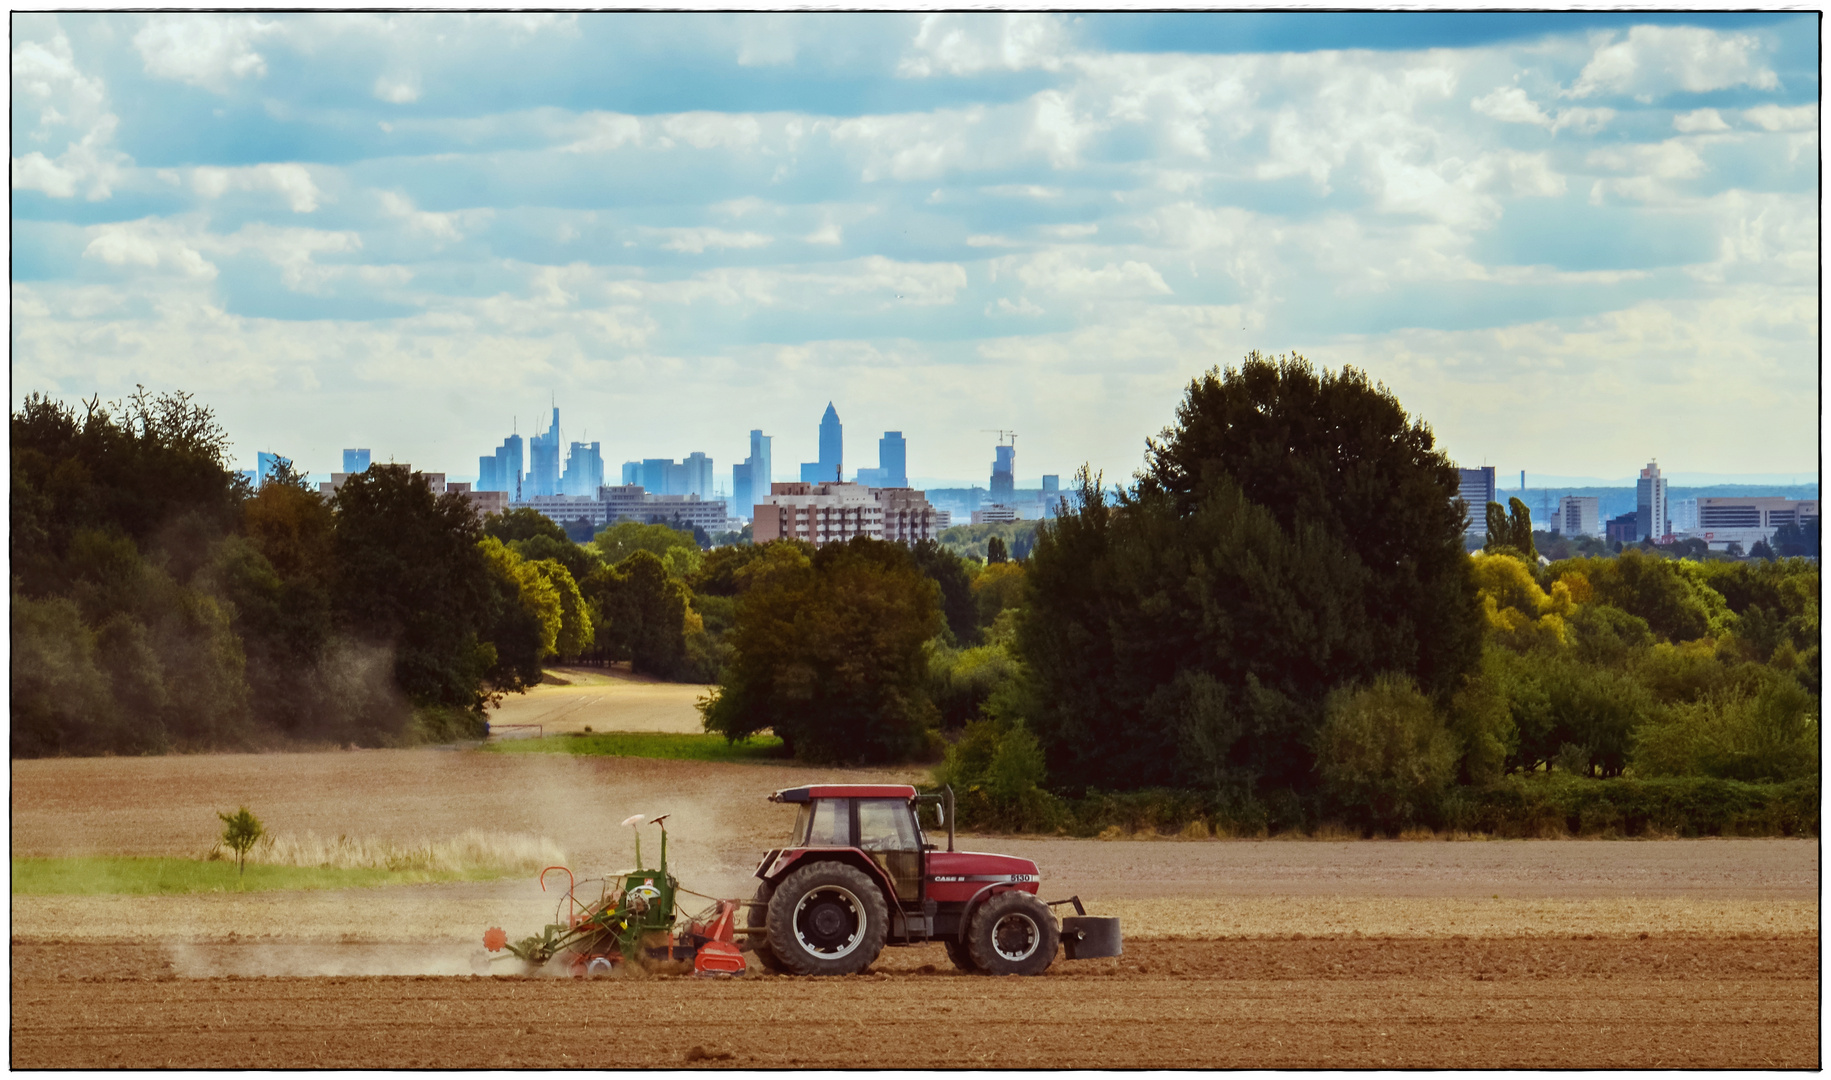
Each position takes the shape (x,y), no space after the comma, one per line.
(1013,933)
(962,956)
(827,919)
(759,943)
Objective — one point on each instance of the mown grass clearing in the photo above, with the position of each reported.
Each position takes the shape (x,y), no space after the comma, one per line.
(132,876)
(646,744)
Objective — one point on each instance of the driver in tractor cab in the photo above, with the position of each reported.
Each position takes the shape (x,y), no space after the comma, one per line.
(859,874)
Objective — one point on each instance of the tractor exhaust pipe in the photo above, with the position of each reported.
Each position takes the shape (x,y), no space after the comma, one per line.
(949,790)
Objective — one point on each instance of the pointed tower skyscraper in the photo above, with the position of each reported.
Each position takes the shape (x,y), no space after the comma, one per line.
(832,450)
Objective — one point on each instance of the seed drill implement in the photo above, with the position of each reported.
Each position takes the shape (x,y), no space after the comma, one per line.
(633,919)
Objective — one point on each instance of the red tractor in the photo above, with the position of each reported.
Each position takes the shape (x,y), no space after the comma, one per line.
(859,873)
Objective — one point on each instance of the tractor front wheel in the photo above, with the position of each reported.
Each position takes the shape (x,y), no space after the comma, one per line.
(1013,933)
(827,919)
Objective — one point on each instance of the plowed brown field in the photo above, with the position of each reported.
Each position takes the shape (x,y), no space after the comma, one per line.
(1516,1003)
(1250,954)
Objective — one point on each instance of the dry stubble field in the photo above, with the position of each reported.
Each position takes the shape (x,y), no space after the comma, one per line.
(1273,953)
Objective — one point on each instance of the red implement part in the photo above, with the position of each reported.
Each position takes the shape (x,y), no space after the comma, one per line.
(719,926)
(718,958)
(495,938)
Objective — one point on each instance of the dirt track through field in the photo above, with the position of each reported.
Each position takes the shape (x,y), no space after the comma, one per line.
(603,699)
(1674,1002)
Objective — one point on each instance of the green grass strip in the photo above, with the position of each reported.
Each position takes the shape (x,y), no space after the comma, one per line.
(125,876)
(646,744)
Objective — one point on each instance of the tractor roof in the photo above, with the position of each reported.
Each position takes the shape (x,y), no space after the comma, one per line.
(843,791)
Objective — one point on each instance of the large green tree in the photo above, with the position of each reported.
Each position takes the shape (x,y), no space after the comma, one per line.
(640,613)
(410,577)
(1334,450)
(828,654)
(1294,532)
(948,571)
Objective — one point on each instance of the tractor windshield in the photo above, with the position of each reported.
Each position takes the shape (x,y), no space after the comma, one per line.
(821,823)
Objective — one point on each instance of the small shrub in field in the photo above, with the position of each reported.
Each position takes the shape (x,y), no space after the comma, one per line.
(240,830)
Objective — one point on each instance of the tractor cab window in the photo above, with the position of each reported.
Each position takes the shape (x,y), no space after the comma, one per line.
(886,825)
(887,832)
(821,823)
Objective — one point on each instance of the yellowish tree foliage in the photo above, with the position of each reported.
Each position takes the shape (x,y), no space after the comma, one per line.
(537,592)
(1520,613)
(575,628)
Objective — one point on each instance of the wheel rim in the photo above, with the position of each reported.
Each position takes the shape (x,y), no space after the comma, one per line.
(1015,937)
(829,922)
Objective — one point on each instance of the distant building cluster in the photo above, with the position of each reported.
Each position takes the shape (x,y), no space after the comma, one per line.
(823,506)
(483,502)
(1719,521)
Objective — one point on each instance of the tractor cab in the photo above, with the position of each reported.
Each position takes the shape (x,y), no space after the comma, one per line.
(876,820)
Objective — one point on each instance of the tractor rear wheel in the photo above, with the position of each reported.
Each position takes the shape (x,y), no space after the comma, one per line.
(827,919)
(756,914)
(1013,933)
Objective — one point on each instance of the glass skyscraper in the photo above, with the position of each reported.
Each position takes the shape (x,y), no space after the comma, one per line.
(1004,480)
(750,480)
(893,460)
(543,461)
(355,461)
(832,450)
(584,470)
(501,471)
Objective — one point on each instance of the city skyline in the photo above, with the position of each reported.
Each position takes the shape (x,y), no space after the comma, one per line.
(1561,239)
(1506,478)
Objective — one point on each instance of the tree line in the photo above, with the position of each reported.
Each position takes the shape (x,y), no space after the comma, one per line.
(1277,616)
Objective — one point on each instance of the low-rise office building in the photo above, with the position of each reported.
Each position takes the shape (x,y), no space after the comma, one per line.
(996,512)
(1744,520)
(631,502)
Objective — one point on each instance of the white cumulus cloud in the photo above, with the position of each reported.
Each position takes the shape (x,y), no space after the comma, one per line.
(292,182)
(207,50)
(696,241)
(1652,61)
(74,112)
(955,43)
(1699,120)
(1781,118)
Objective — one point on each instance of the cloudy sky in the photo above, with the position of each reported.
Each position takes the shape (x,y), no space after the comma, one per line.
(1570,242)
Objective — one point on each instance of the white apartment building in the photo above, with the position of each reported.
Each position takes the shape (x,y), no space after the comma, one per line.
(1651,522)
(828,512)
(1684,515)
(1730,519)
(1578,515)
